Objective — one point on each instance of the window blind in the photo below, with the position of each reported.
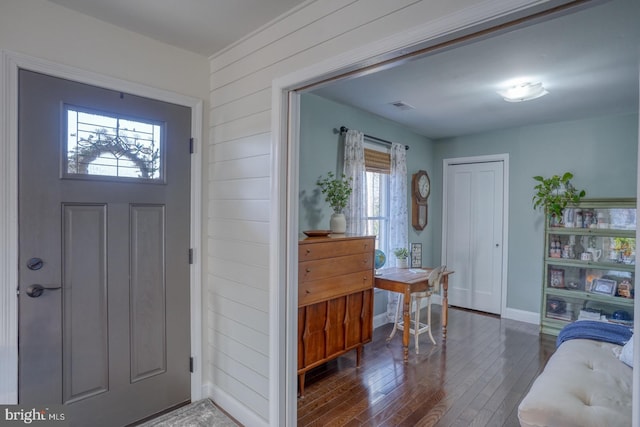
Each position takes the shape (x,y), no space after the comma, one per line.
(377,161)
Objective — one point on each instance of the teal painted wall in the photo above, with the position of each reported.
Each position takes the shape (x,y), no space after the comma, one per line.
(600,152)
(321,150)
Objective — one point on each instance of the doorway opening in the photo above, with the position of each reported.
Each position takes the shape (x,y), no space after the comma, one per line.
(291,88)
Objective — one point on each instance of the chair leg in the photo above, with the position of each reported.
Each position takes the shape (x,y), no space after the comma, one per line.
(429,319)
(395,320)
(416,325)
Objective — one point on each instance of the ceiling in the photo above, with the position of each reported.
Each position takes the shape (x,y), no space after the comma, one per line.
(587,60)
(200,26)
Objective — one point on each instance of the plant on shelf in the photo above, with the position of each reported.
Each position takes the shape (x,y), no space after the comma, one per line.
(554,194)
(336,191)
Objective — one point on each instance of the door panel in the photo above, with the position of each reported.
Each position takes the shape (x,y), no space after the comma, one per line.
(148,355)
(459,249)
(85,315)
(474,235)
(117,331)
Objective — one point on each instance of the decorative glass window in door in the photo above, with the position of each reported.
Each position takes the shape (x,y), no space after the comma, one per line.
(109,145)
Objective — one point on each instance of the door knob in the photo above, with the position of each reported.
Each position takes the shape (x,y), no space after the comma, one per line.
(34,291)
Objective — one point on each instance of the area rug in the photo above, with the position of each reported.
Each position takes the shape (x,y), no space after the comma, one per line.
(202,413)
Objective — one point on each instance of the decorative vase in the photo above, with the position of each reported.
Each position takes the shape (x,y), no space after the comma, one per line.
(402,262)
(338,223)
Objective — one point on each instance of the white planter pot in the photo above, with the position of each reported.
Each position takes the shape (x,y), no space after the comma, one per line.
(338,223)
(402,262)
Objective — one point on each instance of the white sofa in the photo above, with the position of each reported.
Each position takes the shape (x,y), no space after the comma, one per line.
(584,384)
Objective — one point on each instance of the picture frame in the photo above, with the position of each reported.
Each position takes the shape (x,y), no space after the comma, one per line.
(604,286)
(416,255)
(556,278)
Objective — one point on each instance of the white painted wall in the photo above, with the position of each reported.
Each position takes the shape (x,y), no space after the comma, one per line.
(46,30)
(248,240)
(46,36)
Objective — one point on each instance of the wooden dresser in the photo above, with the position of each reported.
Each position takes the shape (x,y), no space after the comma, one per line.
(335,298)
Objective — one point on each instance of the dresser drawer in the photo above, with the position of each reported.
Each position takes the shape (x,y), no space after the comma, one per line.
(321,290)
(334,248)
(331,267)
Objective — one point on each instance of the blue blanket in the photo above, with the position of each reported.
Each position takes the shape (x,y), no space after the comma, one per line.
(594,330)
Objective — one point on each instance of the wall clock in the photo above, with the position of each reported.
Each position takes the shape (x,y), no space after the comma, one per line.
(420,190)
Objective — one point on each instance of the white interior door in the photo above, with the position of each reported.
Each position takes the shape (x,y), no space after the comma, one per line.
(473,234)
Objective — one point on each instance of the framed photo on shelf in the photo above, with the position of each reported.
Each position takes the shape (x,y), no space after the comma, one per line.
(604,286)
(556,278)
(416,255)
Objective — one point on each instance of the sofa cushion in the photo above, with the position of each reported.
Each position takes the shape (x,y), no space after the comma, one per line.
(583,385)
(626,354)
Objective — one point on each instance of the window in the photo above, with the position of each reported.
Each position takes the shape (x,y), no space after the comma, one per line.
(377,164)
(106,144)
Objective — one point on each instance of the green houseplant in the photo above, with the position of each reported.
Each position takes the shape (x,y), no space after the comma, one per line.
(554,194)
(402,255)
(336,191)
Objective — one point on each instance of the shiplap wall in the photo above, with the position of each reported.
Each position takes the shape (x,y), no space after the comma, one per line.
(237,280)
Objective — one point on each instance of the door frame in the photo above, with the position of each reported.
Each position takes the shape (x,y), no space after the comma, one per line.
(10,63)
(491,158)
(285,143)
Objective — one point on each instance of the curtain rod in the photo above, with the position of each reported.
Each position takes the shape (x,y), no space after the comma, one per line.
(344,129)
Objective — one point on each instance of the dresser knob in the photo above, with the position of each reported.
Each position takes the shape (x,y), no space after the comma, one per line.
(308,251)
(308,291)
(308,270)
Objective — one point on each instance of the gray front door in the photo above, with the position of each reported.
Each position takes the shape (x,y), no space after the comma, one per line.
(104,240)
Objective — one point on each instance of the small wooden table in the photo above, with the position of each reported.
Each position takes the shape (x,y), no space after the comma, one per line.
(404,281)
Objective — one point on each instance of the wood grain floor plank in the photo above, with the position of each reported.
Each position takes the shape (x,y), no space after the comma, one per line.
(477,377)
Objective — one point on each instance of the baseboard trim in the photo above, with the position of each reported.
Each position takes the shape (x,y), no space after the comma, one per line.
(380,320)
(509,313)
(233,407)
(521,315)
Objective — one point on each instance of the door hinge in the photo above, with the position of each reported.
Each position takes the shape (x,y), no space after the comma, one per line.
(190,255)
(191,364)
(190,145)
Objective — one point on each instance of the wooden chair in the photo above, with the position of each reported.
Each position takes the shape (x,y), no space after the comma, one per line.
(417,327)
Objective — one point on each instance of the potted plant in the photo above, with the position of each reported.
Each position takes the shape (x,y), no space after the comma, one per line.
(554,194)
(337,192)
(402,255)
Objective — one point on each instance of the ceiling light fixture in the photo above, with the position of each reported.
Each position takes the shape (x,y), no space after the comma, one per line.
(523,92)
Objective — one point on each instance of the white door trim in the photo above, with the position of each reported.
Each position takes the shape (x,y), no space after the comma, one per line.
(504,158)
(10,62)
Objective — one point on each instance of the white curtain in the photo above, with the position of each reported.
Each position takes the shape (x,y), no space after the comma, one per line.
(398,221)
(354,168)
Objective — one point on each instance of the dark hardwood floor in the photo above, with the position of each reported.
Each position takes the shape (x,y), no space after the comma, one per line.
(476,378)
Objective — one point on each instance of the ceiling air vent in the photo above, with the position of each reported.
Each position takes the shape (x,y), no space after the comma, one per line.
(402,106)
